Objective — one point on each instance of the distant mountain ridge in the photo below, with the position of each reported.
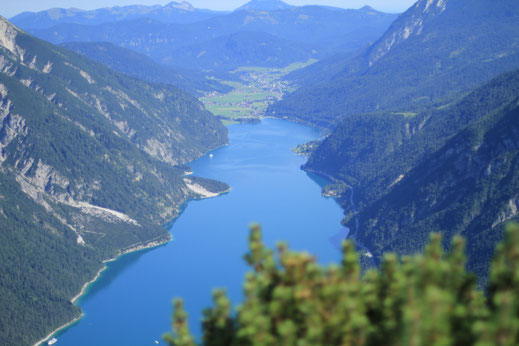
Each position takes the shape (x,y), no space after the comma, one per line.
(264,5)
(244,48)
(173,12)
(319,30)
(434,49)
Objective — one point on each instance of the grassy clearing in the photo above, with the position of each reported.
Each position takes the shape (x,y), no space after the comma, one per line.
(258,87)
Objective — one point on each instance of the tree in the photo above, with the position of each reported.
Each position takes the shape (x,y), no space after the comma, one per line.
(426,299)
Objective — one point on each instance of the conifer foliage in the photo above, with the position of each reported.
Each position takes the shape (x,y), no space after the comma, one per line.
(426,299)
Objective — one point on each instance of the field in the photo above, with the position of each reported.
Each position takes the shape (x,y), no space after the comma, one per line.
(256,89)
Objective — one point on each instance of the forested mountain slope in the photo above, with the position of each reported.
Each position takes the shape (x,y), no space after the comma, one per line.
(373,150)
(448,169)
(435,49)
(470,187)
(316,30)
(89,168)
(140,66)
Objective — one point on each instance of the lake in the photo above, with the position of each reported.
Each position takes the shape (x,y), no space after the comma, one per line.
(130,304)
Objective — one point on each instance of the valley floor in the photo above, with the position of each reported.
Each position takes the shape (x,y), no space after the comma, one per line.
(255,89)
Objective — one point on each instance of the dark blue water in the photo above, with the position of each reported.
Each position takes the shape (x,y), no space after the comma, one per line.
(131,303)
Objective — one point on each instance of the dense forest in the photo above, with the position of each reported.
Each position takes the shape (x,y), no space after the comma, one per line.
(416,173)
(416,167)
(373,150)
(435,50)
(467,187)
(91,165)
(424,299)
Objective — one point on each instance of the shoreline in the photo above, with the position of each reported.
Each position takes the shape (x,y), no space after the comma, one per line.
(85,288)
(149,245)
(322,174)
(42,341)
(202,192)
(132,249)
(324,130)
(352,232)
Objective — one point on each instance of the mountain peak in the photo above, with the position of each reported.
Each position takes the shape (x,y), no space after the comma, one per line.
(184,5)
(368,10)
(410,23)
(265,5)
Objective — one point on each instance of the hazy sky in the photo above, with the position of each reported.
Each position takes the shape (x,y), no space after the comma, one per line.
(9,8)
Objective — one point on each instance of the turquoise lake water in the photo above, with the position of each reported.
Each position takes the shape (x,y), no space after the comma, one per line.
(130,304)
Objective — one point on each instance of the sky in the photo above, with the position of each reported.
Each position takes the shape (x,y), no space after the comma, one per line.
(9,8)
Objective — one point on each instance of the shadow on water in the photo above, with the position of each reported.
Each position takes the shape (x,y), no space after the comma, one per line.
(131,302)
(113,270)
(342,233)
(319,180)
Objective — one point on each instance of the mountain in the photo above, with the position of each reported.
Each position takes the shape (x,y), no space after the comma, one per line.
(468,187)
(323,30)
(174,12)
(450,169)
(242,49)
(436,49)
(91,164)
(372,151)
(140,66)
(264,5)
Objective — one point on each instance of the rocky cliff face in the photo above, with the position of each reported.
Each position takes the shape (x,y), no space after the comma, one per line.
(90,166)
(42,84)
(411,23)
